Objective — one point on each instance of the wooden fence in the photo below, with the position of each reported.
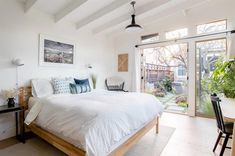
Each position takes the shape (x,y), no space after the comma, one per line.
(154,73)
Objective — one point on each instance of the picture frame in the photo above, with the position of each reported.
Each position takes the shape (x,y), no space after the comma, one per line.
(123,62)
(56,52)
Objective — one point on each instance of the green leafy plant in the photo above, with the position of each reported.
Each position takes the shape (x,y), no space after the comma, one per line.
(223,78)
(183,104)
(167,83)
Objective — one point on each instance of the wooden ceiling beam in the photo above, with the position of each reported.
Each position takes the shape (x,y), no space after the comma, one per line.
(29,5)
(139,11)
(103,11)
(68,9)
(173,8)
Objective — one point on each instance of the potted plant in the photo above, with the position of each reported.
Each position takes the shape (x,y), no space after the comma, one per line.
(9,96)
(223,80)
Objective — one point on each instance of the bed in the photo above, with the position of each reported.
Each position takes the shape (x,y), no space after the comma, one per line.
(98,123)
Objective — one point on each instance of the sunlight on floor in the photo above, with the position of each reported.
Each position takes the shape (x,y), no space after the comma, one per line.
(194,136)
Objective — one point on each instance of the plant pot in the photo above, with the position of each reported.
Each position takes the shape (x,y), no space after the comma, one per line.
(11,102)
(226,100)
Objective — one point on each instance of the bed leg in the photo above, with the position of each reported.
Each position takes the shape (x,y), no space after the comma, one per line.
(157,126)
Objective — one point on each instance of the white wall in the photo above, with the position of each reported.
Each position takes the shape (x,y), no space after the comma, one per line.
(208,12)
(19,38)
(212,11)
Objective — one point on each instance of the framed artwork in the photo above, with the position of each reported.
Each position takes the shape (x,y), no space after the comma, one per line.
(56,52)
(123,63)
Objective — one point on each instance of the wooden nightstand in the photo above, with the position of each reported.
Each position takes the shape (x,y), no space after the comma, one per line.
(19,112)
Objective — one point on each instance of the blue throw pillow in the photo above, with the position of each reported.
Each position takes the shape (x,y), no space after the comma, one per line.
(79,88)
(75,89)
(85,83)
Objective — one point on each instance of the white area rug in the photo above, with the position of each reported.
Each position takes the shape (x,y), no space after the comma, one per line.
(150,145)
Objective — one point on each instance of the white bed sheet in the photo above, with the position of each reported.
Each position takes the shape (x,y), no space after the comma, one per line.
(96,122)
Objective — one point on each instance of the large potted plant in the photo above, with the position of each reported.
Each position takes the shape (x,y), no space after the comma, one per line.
(223,80)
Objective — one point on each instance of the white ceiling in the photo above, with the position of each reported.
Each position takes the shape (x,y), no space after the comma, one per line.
(51,6)
(106,15)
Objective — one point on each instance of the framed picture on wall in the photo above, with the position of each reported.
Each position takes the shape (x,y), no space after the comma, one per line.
(123,63)
(56,52)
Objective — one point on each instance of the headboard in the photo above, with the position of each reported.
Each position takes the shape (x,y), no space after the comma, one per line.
(24,94)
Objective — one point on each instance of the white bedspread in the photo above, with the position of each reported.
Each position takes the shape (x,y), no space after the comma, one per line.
(94,121)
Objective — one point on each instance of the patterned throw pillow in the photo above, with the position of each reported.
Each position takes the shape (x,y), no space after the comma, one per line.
(61,85)
(79,88)
(84,84)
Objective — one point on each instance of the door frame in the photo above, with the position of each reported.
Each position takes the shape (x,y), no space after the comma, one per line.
(191,105)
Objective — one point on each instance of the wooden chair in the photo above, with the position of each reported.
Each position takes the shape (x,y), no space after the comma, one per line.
(225,129)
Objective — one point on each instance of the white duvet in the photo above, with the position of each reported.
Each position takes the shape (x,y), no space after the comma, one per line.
(94,121)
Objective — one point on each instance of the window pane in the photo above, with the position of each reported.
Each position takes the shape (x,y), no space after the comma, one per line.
(208,52)
(150,38)
(180,33)
(212,27)
(213,45)
(181,70)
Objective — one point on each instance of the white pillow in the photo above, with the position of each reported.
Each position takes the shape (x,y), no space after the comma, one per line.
(41,87)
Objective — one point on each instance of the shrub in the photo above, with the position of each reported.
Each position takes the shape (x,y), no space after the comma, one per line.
(167,83)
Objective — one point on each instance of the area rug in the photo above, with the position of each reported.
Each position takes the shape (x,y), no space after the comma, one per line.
(150,145)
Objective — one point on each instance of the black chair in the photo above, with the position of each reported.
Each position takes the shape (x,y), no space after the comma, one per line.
(225,129)
(115,84)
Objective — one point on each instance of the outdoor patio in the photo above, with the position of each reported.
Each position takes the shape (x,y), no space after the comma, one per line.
(170,105)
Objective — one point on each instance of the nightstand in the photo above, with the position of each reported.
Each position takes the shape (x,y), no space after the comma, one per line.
(17,109)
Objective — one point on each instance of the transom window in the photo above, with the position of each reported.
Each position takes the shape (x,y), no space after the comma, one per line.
(179,33)
(212,27)
(150,38)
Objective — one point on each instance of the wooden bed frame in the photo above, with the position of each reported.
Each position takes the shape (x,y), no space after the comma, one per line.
(71,150)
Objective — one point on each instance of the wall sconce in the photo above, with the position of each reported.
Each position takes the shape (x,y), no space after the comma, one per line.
(17,63)
(89,66)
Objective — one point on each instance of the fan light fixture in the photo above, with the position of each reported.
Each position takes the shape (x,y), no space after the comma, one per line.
(133,27)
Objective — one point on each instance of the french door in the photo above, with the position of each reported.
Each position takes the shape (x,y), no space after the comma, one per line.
(208,52)
(164,74)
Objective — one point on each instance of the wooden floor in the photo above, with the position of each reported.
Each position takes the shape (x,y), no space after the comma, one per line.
(192,137)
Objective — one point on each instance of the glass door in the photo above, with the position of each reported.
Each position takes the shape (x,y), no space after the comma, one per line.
(208,52)
(164,74)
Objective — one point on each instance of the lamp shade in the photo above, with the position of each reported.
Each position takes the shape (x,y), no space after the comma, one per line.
(17,62)
(133,27)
